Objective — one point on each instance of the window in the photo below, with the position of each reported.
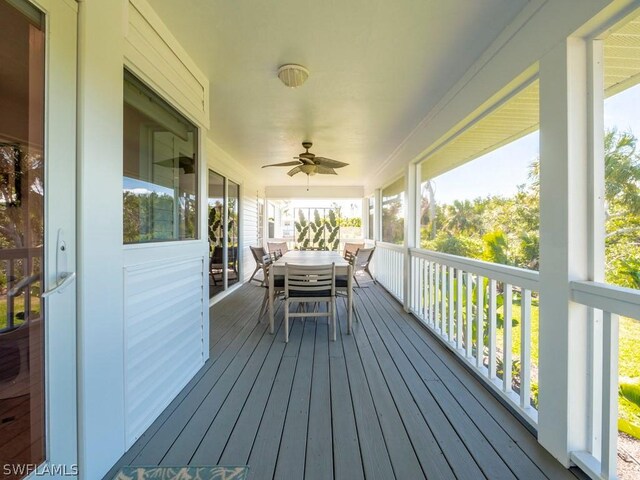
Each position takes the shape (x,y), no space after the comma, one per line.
(223,233)
(160,185)
(393,212)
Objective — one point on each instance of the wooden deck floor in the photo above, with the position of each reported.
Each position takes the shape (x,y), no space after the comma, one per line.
(386,402)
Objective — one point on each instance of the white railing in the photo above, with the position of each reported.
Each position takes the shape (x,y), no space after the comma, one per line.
(468,303)
(388,268)
(600,460)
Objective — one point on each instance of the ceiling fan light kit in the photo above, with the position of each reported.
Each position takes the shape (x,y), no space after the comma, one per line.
(293,75)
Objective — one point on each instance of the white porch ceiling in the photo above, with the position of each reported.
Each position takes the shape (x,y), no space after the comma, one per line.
(377,67)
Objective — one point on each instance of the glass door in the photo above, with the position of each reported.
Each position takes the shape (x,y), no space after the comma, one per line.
(22,403)
(233,200)
(37,228)
(224,233)
(216,203)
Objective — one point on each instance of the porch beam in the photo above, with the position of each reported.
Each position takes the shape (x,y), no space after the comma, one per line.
(564,248)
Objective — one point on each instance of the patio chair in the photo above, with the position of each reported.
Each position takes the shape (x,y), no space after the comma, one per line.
(311,285)
(278,284)
(362,261)
(277,248)
(342,282)
(351,248)
(258,254)
(14,352)
(216,264)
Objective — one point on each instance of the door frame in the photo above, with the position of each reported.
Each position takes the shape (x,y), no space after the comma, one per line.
(60,353)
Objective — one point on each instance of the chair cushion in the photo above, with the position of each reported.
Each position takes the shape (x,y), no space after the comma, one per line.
(342,281)
(313,293)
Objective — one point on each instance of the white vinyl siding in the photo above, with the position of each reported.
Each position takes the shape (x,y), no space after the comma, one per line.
(163,336)
(249,233)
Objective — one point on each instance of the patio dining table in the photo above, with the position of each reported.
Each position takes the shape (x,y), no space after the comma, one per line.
(312,258)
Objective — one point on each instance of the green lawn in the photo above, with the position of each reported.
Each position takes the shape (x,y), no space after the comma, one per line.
(18,307)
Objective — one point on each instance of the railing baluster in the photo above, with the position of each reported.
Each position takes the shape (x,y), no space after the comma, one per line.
(443,301)
(610,327)
(459,310)
(10,299)
(427,306)
(425,289)
(507,344)
(442,295)
(436,298)
(420,288)
(433,295)
(525,349)
(492,329)
(480,322)
(450,304)
(468,339)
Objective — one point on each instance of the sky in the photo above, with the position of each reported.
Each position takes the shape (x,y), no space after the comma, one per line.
(500,172)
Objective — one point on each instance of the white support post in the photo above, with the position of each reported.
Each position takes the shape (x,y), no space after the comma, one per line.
(377,215)
(596,235)
(563,341)
(364,229)
(410,229)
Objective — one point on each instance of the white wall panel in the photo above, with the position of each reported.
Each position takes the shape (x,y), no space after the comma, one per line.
(163,314)
(153,53)
(249,205)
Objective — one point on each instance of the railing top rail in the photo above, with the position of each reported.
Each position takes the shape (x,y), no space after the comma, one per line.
(391,246)
(519,277)
(609,298)
(20,253)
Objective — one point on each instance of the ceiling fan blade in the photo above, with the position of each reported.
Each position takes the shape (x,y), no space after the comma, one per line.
(306,161)
(283,164)
(325,170)
(327,162)
(293,171)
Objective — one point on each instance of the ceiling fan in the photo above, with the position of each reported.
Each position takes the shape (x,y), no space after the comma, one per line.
(309,164)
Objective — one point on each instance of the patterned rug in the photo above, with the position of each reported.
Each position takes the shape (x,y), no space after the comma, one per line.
(182,473)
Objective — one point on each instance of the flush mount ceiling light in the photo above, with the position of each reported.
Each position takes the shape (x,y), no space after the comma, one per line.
(293,75)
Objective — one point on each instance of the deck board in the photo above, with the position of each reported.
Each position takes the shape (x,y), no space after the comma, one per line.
(388,401)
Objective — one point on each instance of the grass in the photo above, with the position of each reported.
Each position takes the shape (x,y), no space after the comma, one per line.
(18,308)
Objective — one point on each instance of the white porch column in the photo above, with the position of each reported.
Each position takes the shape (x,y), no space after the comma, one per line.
(410,228)
(101,393)
(377,215)
(364,225)
(564,248)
